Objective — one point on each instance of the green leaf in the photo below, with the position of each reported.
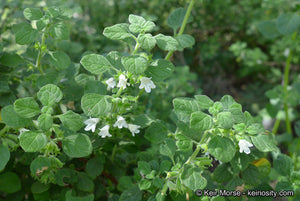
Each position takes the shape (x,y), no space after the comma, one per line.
(12,119)
(132,194)
(144,167)
(255,129)
(146,41)
(251,175)
(84,182)
(222,148)
(32,141)
(65,176)
(227,101)
(70,197)
(24,33)
(4,155)
(156,133)
(117,32)
(283,164)
(49,94)
(288,23)
(71,120)
(160,70)
(32,13)
(168,148)
(38,187)
(77,145)
(184,107)
(222,173)
(59,31)
(167,43)
(268,29)
(225,120)
(183,143)
(45,168)
(165,166)
(135,64)
(139,24)
(216,108)
(95,104)
(241,161)
(201,121)
(176,18)
(82,79)
(95,63)
(237,113)
(96,87)
(191,178)
(45,122)
(60,60)
(185,41)
(94,167)
(145,184)
(204,101)
(264,143)
(26,107)
(10,182)
(11,60)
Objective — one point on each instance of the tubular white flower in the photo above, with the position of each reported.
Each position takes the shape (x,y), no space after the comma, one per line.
(91,124)
(134,129)
(122,82)
(120,123)
(104,132)
(111,83)
(147,84)
(244,146)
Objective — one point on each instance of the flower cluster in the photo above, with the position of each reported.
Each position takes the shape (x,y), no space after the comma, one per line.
(91,124)
(146,83)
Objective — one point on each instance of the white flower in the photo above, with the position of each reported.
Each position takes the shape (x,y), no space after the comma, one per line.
(22,130)
(133,129)
(286,52)
(111,83)
(244,146)
(120,123)
(91,124)
(147,84)
(122,82)
(104,132)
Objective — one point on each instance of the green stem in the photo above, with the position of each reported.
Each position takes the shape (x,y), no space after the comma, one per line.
(193,156)
(119,92)
(4,130)
(164,189)
(40,53)
(181,30)
(285,87)
(113,153)
(137,45)
(139,95)
(276,126)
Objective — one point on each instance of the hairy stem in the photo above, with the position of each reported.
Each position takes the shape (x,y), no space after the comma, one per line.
(181,30)
(40,53)
(286,83)
(276,126)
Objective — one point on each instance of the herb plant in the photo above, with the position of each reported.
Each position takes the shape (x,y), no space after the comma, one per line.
(120,126)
